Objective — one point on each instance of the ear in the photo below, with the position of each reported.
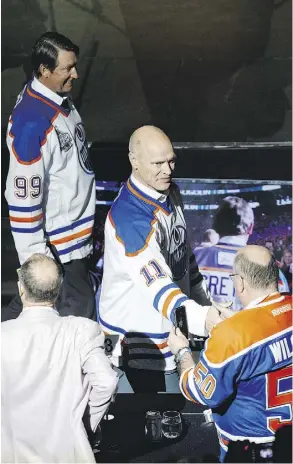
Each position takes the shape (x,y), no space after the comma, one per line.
(20,289)
(133,160)
(241,285)
(44,70)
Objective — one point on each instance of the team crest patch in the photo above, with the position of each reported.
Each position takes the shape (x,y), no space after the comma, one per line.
(65,140)
(82,148)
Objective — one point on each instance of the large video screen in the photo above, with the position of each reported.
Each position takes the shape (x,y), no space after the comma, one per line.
(223,216)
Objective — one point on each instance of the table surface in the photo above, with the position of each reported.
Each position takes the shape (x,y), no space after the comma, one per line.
(123,438)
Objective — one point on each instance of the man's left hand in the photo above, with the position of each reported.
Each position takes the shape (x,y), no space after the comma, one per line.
(177,340)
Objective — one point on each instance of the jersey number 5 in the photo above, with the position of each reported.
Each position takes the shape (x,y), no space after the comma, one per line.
(279,397)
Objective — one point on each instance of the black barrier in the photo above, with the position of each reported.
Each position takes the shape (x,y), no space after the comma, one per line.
(266,161)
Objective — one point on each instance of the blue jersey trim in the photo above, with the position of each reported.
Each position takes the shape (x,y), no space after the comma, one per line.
(24,208)
(122,331)
(21,230)
(72,226)
(77,246)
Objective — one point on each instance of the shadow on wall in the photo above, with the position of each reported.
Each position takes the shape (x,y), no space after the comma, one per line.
(23,21)
(208,71)
(209,79)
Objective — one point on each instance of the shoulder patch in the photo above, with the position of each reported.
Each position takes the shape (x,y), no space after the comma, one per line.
(31,121)
(133,221)
(244,330)
(28,137)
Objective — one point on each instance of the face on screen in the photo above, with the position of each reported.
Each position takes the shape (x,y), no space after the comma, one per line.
(155,164)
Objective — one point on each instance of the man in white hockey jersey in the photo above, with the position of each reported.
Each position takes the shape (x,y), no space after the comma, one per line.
(50,186)
(149,269)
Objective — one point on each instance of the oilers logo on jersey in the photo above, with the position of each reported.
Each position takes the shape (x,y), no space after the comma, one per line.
(82,148)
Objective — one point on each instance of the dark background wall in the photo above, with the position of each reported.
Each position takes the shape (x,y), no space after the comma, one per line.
(203,70)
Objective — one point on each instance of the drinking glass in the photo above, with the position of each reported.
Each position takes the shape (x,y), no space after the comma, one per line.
(171,424)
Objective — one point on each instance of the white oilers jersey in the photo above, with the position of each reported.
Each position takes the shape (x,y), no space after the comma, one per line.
(50,187)
(149,271)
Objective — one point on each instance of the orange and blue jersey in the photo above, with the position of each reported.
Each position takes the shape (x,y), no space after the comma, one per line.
(149,271)
(244,372)
(50,186)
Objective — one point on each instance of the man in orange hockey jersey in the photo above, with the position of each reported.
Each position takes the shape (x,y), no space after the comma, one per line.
(245,370)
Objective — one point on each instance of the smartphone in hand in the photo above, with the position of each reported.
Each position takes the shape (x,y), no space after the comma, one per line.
(181,320)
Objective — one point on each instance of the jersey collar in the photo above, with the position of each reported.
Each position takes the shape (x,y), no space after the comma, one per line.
(43,90)
(161,197)
(261,299)
(148,195)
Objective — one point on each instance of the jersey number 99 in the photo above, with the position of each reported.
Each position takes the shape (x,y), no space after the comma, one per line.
(25,187)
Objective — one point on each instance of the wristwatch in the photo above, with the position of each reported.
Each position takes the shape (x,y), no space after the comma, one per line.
(180,353)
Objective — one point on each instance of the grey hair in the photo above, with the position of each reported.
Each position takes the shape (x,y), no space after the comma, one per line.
(39,287)
(257,275)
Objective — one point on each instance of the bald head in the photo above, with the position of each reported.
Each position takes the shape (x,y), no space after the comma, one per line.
(145,139)
(258,267)
(152,157)
(256,254)
(41,278)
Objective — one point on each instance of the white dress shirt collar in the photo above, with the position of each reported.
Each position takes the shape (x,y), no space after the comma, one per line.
(37,310)
(161,197)
(258,300)
(42,89)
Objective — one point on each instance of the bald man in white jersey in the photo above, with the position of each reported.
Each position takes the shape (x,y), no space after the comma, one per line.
(149,269)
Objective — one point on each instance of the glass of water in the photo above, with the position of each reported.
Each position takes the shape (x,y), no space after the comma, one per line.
(171,424)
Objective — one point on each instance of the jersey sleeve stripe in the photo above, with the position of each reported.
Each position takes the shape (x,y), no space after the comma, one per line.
(82,233)
(26,219)
(150,346)
(24,209)
(168,301)
(30,230)
(114,328)
(161,293)
(72,226)
(184,386)
(77,246)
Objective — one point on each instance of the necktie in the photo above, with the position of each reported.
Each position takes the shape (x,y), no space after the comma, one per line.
(65,104)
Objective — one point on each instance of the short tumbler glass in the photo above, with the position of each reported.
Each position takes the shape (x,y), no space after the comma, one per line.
(171,424)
